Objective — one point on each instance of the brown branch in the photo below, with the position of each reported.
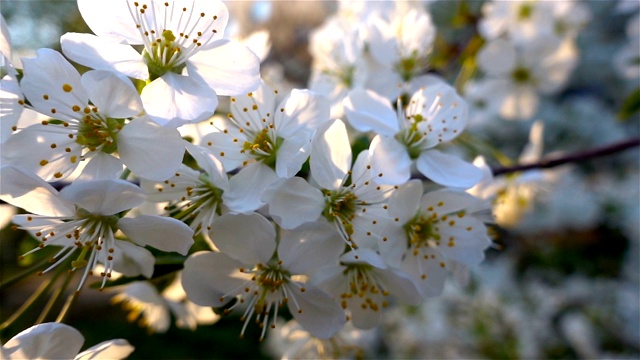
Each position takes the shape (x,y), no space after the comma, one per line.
(553,161)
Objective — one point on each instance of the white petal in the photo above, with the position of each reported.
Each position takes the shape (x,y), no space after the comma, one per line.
(10,108)
(400,285)
(229,68)
(520,103)
(364,256)
(223,146)
(150,150)
(405,201)
(163,233)
(384,47)
(5,39)
(111,349)
(293,152)
(248,238)
(320,314)
(31,193)
(133,260)
(447,202)
(175,100)
(101,166)
(111,20)
(45,341)
(429,274)
(47,156)
(368,111)
(53,85)
(448,170)
(293,202)
(362,318)
(114,95)
(497,58)
(330,154)
(303,110)
(103,54)
(104,197)
(247,186)
(207,276)
(261,101)
(309,247)
(210,164)
(391,159)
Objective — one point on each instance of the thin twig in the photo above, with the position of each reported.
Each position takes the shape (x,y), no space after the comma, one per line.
(553,161)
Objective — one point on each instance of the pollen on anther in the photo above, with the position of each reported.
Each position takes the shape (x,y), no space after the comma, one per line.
(67,88)
(45,96)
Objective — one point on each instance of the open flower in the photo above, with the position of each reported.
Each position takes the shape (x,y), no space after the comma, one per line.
(400,46)
(363,283)
(85,216)
(94,117)
(185,59)
(60,341)
(269,141)
(442,229)
(434,115)
(345,196)
(262,273)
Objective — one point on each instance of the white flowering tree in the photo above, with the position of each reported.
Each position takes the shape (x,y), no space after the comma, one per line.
(166,159)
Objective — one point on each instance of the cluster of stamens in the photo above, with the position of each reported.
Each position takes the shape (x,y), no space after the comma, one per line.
(198,205)
(364,288)
(168,49)
(91,235)
(267,291)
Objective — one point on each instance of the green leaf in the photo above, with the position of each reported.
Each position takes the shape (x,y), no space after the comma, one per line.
(630,106)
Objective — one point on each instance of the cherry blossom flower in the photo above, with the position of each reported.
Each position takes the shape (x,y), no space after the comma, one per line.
(517,75)
(262,273)
(363,283)
(268,141)
(347,197)
(338,62)
(94,117)
(435,114)
(441,231)
(185,61)
(85,216)
(399,47)
(60,341)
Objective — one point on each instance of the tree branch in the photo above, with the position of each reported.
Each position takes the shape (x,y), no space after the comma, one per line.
(553,161)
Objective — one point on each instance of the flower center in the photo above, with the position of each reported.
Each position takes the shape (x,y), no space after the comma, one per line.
(97,133)
(199,206)
(340,207)
(521,75)
(263,148)
(412,137)
(345,75)
(164,56)
(421,232)
(525,11)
